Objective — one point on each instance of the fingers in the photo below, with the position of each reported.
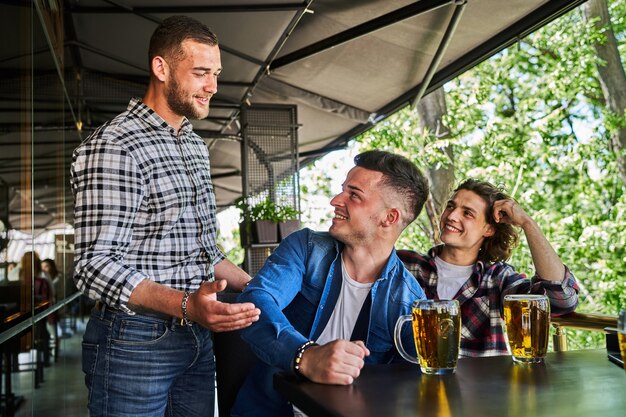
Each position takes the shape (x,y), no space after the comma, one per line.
(359,343)
(222,316)
(503,211)
(218,316)
(509,212)
(230,325)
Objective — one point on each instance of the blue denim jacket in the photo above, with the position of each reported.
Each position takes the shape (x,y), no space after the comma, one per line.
(296,291)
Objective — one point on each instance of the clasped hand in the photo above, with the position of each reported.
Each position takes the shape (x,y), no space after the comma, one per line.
(338,362)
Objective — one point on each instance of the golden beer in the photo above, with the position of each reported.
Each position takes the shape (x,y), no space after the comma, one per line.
(527,322)
(437,334)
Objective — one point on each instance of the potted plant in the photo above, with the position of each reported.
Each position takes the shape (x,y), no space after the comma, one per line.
(289,221)
(258,220)
(266,221)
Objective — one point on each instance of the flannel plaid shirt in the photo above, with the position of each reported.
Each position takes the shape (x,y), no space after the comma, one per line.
(481,298)
(144,207)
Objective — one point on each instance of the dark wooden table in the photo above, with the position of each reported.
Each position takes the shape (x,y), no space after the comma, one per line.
(569,384)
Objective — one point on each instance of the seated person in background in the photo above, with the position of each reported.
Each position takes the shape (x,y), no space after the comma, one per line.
(49,267)
(329,300)
(478,235)
(31,271)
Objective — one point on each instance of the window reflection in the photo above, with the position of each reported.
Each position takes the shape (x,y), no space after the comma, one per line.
(37,135)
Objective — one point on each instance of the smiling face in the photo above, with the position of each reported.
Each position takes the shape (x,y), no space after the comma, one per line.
(359,208)
(193,80)
(464,223)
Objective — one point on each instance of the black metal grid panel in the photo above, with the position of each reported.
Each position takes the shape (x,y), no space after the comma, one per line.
(256,256)
(270,154)
(269,162)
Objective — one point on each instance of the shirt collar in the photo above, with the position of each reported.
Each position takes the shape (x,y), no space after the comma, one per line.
(139,108)
(479,266)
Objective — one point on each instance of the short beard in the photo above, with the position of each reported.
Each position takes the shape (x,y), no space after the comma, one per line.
(346,238)
(176,100)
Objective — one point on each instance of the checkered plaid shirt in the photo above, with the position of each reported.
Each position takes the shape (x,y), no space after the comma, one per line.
(481,298)
(144,207)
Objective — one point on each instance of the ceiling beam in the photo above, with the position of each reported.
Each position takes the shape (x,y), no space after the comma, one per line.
(358,31)
(441,50)
(289,7)
(264,69)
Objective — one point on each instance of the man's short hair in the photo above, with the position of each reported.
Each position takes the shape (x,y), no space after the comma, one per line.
(400,175)
(168,37)
(499,246)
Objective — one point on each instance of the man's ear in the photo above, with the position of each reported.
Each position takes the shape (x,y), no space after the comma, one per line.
(491,230)
(392,217)
(160,69)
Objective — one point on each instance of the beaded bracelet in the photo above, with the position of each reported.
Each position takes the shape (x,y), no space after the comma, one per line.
(300,352)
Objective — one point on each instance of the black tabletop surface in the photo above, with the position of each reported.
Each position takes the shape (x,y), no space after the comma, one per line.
(569,384)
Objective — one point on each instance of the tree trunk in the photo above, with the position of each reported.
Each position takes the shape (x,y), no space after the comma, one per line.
(431,110)
(612,78)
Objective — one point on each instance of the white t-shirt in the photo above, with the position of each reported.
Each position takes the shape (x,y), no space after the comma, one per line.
(347,309)
(450,278)
(343,318)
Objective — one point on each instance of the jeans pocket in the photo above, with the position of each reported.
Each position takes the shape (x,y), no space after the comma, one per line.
(138,332)
(89,364)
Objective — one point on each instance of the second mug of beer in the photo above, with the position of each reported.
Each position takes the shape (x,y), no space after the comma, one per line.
(436,333)
(527,323)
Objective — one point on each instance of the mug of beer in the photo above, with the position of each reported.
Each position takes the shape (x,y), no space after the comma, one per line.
(621,335)
(527,323)
(436,333)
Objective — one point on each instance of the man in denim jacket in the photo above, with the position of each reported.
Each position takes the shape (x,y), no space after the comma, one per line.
(329,300)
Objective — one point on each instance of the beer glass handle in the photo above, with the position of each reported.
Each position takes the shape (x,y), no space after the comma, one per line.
(397,338)
(526,321)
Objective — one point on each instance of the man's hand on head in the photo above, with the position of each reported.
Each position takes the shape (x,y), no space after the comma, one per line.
(509,212)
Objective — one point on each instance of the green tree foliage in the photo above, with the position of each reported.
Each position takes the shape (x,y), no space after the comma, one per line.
(533,120)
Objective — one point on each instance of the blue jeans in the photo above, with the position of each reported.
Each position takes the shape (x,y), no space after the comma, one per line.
(140,366)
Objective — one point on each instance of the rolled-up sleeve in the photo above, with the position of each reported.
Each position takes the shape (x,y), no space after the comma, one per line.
(563,294)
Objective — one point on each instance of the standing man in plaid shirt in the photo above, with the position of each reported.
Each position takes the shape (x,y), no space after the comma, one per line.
(478,235)
(146,241)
